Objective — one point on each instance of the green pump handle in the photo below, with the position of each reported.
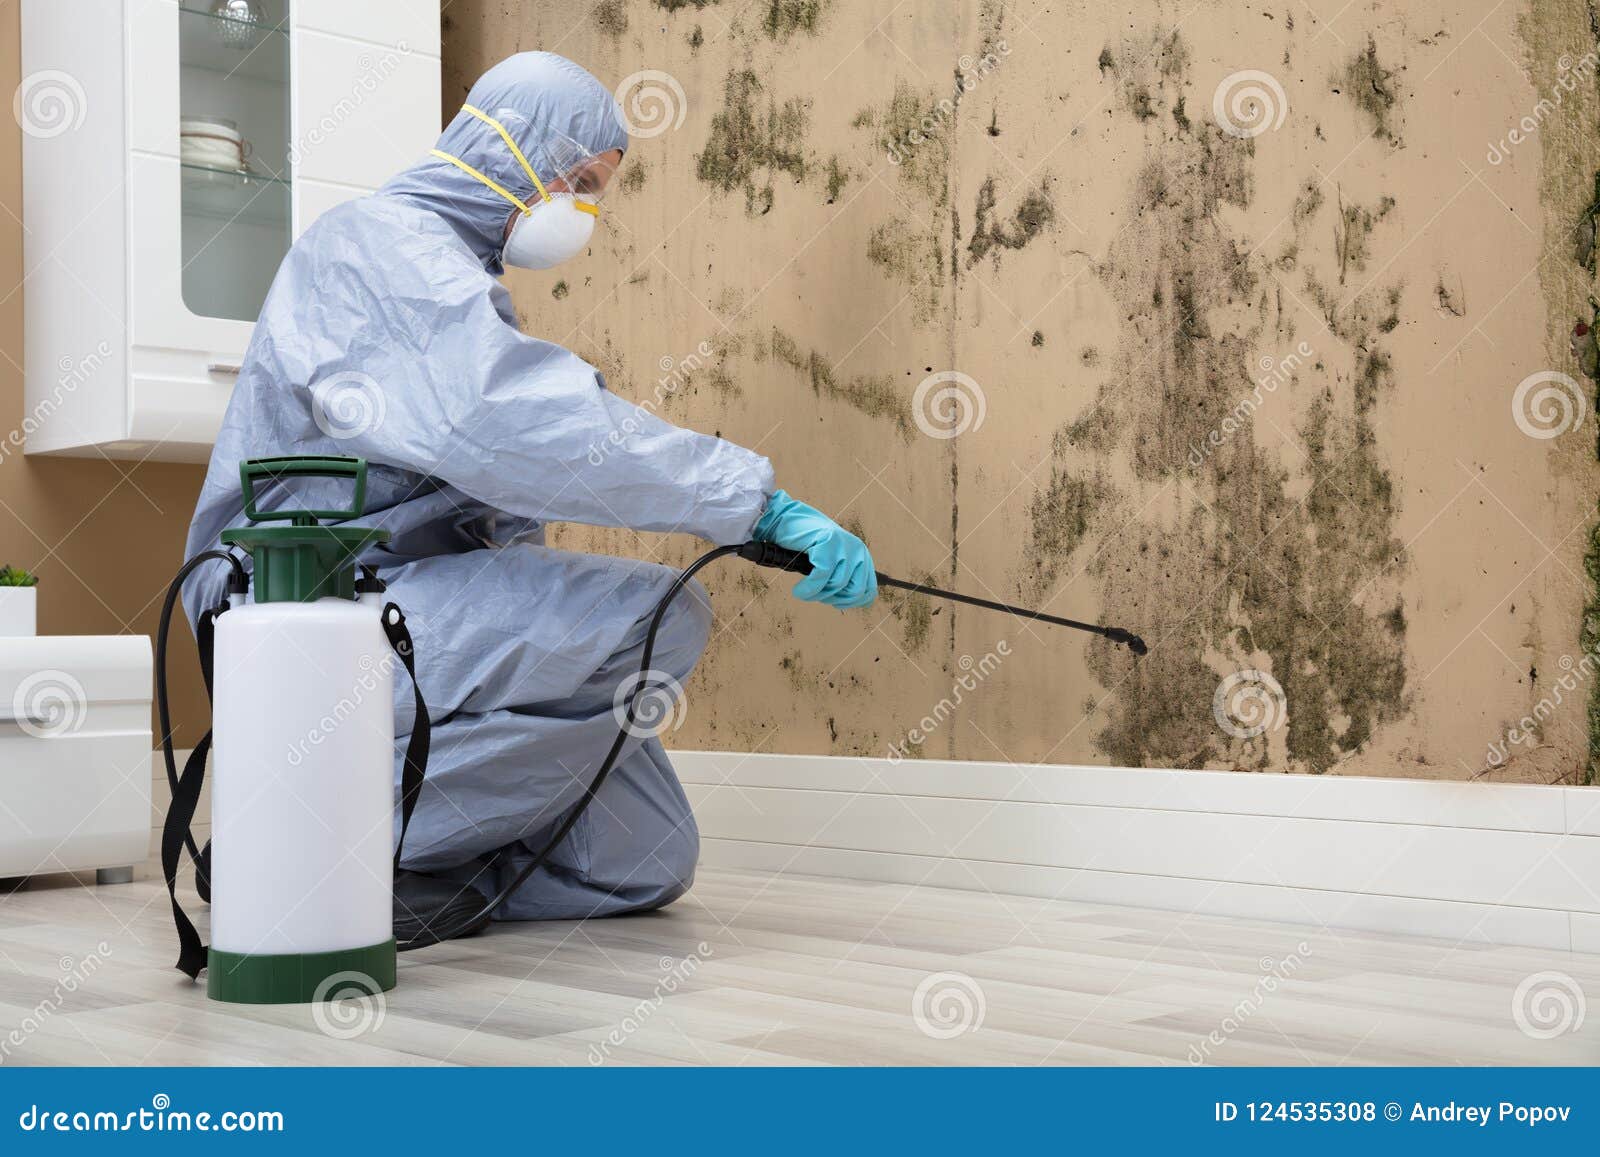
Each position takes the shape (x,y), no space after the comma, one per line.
(252,470)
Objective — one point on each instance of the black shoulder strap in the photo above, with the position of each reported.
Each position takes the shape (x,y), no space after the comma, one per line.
(180,813)
(415,768)
(191,952)
(205,635)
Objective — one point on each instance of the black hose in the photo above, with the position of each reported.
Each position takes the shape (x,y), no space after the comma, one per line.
(763,554)
(163,709)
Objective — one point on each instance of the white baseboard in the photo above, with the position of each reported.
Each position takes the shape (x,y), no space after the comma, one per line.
(1484,863)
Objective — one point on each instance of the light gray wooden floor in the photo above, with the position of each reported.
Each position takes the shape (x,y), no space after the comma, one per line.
(756,969)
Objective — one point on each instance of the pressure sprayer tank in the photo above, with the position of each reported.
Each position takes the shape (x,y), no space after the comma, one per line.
(302,803)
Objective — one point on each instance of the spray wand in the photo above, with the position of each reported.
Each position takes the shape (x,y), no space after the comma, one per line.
(767,554)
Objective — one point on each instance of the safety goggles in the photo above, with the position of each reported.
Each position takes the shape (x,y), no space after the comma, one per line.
(570,168)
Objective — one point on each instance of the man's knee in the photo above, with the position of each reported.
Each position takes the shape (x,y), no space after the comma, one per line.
(641,856)
(676,858)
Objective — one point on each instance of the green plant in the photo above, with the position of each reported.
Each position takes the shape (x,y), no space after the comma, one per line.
(12,576)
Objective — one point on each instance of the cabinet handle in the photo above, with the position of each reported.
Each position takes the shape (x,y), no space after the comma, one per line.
(232,368)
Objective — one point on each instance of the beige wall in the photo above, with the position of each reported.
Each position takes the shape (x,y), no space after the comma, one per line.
(104,537)
(1117,275)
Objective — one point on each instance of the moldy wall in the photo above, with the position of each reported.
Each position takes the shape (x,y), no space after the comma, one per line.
(1203,319)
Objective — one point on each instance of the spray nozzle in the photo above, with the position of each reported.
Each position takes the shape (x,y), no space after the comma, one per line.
(1128,639)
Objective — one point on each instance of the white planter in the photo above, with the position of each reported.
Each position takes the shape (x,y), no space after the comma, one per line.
(74,745)
(18,611)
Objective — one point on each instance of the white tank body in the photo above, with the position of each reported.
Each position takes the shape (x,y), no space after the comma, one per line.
(302,796)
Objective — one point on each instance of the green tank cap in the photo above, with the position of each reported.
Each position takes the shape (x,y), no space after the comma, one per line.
(305,560)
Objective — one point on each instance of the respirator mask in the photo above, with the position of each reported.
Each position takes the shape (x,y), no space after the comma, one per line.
(556,225)
(550,232)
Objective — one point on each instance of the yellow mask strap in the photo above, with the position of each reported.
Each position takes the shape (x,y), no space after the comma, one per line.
(470,171)
(581,206)
(512,145)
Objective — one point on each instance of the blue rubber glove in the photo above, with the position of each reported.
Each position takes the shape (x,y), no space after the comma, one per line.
(842,574)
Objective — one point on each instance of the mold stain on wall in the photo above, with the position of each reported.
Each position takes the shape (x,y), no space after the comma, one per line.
(1035,212)
(1556,35)
(1351,231)
(1373,89)
(915,614)
(1252,576)
(753,137)
(873,395)
(913,130)
(611,16)
(910,256)
(781,19)
(1059,519)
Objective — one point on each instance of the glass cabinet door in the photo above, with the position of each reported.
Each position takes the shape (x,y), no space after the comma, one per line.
(233,60)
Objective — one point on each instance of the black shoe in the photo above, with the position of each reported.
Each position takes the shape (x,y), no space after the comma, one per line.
(431,909)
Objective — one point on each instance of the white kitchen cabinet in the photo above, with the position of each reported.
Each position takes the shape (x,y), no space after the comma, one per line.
(147,264)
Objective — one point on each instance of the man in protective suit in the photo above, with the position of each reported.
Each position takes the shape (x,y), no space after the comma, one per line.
(386,335)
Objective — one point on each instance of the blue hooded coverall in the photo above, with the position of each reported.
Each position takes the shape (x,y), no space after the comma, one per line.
(386,335)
